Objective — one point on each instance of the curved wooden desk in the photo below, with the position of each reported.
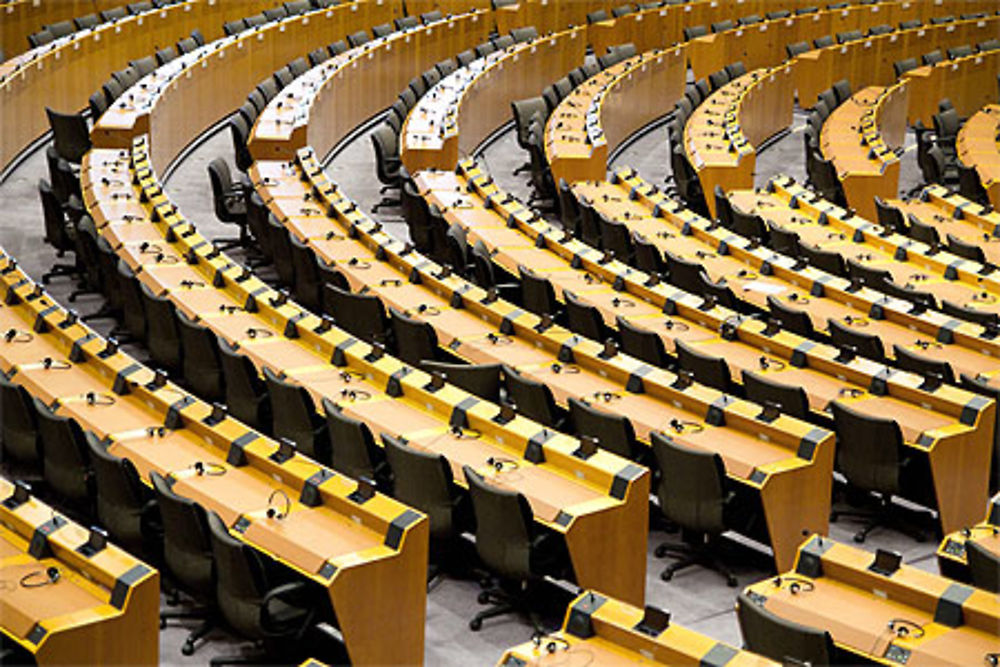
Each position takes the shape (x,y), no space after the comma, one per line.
(951,556)
(369,556)
(323,106)
(978,146)
(965,225)
(103,609)
(723,132)
(863,137)
(460,112)
(599,630)
(62,75)
(970,83)
(607,108)
(20,18)
(945,623)
(868,62)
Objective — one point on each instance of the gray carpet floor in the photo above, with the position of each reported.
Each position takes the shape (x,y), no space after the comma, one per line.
(697,598)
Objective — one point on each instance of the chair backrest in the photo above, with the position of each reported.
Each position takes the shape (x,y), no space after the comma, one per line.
(187,547)
(750,225)
(597,16)
(120,497)
(54,218)
(722,26)
(643,344)
(404,22)
(504,527)
(87,21)
(774,637)
(946,124)
(694,31)
(524,34)
(114,14)
(824,260)
(778,14)
(613,431)
(296,419)
(692,485)
(752,19)
(423,481)
(683,273)
(849,36)
(797,49)
(163,339)
(584,319)
(431,17)
(61,28)
(648,257)
(791,398)
(246,394)
(960,51)
(806,10)
(65,459)
(297,7)
(932,58)
(901,67)
(829,97)
(915,362)
(532,399)
(867,344)
(823,42)
(69,134)
(308,282)
(718,79)
(797,321)
(482,380)
(255,21)
(201,360)
(969,185)
(241,581)
(708,370)
(910,24)
(19,426)
(352,446)
(275,13)
(870,276)
(984,567)
(362,315)
(416,341)
(970,251)
(615,238)
(868,449)
(890,216)
(983,317)
(281,248)
(233,27)
(622,10)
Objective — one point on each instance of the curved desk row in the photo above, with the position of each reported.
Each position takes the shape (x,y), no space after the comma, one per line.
(952,554)
(342,545)
(461,110)
(794,284)
(609,107)
(869,61)
(178,100)
(969,82)
(917,265)
(978,146)
(102,609)
(323,106)
(599,630)
(863,137)
(723,132)
(62,75)
(901,616)
(21,18)
(954,216)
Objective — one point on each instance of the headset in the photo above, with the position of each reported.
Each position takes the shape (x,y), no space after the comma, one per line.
(499,339)
(796,584)
(604,396)
(766,363)
(618,302)
(856,321)
(94,398)
(208,469)
(569,369)
(272,512)
(429,311)
(552,643)
(18,336)
(499,463)
(905,628)
(48,363)
(465,433)
(670,325)
(253,332)
(51,574)
(681,425)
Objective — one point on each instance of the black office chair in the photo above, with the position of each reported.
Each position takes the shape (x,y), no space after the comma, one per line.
(984,567)
(969,185)
(361,315)
(65,459)
(247,398)
(867,345)
(59,232)
(723,26)
(482,380)
(87,21)
(824,260)
(692,495)
(684,274)
(706,369)
(239,132)
(586,320)
(70,135)
(901,67)
(531,399)
(229,198)
(352,446)
(387,163)
(868,276)
(797,49)
(694,31)
(201,362)
(789,399)
(932,369)
(870,455)
(415,340)
(19,426)
(431,17)
(163,339)
(296,419)
(423,480)
(643,344)
(281,248)
(537,293)
(796,321)
(910,24)
(718,79)
(125,507)
(307,285)
(823,42)
(510,547)
(187,557)
(849,36)
(405,22)
(774,637)
(252,602)
(612,431)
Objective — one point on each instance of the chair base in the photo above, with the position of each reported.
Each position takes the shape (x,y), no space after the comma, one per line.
(207,624)
(59,270)
(884,515)
(259,657)
(387,201)
(503,602)
(688,555)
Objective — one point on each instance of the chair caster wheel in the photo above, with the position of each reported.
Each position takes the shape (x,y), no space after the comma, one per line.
(859,538)
(731,581)
(660,551)
(483,597)
(666,575)
(163,623)
(475,625)
(188,648)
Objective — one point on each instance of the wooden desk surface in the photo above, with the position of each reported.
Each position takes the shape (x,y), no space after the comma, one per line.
(978,147)
(855,605)
(967,82)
